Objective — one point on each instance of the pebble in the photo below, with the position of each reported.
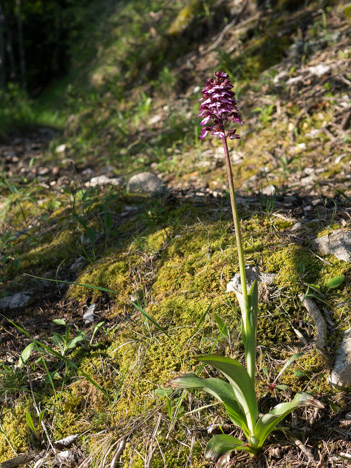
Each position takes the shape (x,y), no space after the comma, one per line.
(104,180)
(88,315)
(15,301)
(146,182)
(337,243)
(252,274)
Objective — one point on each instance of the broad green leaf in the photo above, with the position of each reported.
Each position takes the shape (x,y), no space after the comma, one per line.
(220,390)
(266,424)
(336,282)
(59,322)
(222,327)
(26,353)
(242,384)
(164,392)
(299,373)
(74,341)
(222,444)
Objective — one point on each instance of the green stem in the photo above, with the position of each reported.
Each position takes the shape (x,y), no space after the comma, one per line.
(236,221)
(249,329)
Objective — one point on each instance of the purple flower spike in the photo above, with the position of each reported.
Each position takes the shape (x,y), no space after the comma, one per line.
(218,107)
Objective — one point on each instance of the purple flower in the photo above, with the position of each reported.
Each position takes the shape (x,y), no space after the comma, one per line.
(219,107)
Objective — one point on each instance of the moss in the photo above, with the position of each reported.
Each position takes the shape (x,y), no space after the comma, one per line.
(66,409)
(13,424)
(107,273)
(53,249)
(309,372)
(287,264)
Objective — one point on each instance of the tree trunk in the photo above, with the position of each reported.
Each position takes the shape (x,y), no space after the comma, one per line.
(9,48)
(2,50)
(21,44)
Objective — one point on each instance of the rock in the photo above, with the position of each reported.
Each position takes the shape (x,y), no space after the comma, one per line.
(88,315)
(270,190)
(297,226)
(145,182)
(294,80)
(252,273)
(65,455)
(66,442)
(155,119)
(337,243)
(319,70)
(103,180)
(60,149)
(15,301)
(340,375)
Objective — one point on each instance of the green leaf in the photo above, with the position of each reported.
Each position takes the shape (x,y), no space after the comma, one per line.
(266,424)
(299,373)
(26,353)
(222,327)
(164,392)
(242,384)
(220,390)
(59,322)
(74,341)
(30,423)
(41,415)
(222,444)
(336,282)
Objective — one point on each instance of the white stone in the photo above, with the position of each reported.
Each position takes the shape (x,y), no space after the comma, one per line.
(340,375)
(67,441)
(269,190)
(319,70)
(295,79)
(15,301)
(337,243)
(155,119)
(296,226)
(145,182)
(88,315)
(104,180)
(252,274)
(64,455)
(60,149)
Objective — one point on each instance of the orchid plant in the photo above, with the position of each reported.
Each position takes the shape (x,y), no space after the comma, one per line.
(218,110)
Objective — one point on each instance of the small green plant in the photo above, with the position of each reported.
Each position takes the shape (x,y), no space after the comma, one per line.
(218,108)
(314,291)
(35,429)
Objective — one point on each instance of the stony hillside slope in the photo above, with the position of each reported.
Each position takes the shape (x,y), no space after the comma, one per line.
(165,252)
